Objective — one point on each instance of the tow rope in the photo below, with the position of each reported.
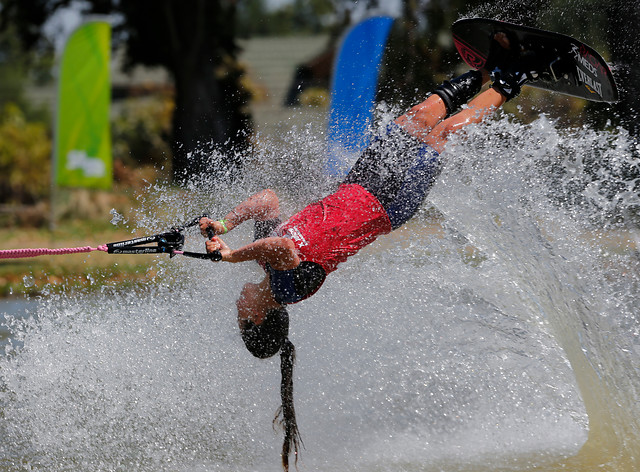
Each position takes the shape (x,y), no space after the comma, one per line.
(41,251)
(170,242)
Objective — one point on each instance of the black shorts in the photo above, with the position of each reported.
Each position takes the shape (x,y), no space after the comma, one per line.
(294,285)
(399,170)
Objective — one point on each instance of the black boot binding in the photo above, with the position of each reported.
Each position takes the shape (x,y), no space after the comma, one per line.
(456,92)
(510,79)
(510,67)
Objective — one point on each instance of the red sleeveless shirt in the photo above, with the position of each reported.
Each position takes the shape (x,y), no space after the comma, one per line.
(329,231)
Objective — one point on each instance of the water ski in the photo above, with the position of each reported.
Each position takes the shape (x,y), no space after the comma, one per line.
(567,65)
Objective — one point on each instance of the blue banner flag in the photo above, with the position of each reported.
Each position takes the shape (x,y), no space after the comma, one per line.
(355,79)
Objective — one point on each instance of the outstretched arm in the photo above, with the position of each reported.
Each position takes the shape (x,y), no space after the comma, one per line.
(262,206)
(279,253)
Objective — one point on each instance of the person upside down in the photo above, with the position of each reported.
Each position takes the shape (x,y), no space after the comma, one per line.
(384,189)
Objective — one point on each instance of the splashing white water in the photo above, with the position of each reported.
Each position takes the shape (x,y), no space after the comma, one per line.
(468,348)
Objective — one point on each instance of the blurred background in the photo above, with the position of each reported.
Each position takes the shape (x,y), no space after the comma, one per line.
(196,84)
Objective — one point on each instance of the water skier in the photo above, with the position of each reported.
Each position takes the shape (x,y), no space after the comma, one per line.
(384,189)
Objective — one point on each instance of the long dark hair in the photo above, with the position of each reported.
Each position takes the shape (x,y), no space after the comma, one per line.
(286,414)
(265,340)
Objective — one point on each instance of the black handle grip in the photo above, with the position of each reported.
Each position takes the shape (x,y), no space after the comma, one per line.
(215,255)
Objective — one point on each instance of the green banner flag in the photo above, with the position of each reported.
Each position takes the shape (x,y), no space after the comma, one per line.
(83,136)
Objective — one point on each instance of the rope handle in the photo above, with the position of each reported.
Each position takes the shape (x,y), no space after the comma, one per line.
(170,243)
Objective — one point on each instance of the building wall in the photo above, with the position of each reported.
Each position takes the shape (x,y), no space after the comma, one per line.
(271,65)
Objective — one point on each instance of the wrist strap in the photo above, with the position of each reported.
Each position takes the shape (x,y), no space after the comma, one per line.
(224,226)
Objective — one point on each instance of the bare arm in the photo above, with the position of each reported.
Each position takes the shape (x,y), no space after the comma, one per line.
(280,253)
(477,110)
(262,206)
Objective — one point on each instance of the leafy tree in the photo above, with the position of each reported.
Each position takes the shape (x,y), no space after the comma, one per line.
(25,157)
(13,69)
(25,144)
(16,69)
(195,41)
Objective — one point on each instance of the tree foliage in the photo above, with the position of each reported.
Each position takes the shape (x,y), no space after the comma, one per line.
(25,157)
(195,41)
(16,68)
(140,131)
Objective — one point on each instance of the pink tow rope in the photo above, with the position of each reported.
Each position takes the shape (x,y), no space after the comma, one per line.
(20,253)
